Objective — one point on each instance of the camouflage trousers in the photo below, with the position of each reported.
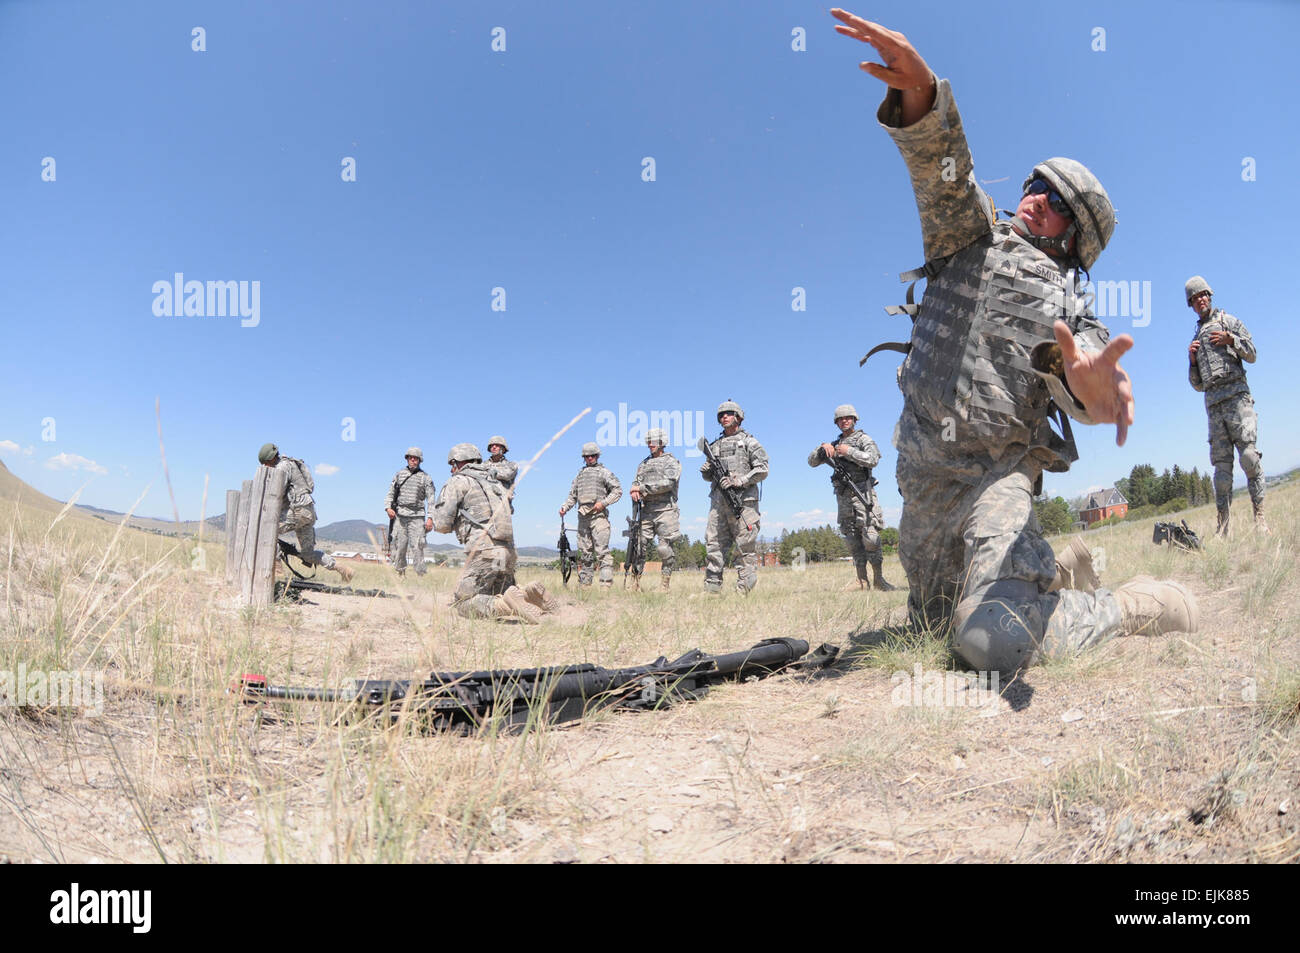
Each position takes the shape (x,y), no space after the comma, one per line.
(1233,424)
(593,548)
(975,557)
(301,521)
(861,531)
(489,571)
(663,520)
(408,534)
(724,529)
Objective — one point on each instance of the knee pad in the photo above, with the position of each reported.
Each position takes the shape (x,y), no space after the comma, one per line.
(999,628)
(1250,461)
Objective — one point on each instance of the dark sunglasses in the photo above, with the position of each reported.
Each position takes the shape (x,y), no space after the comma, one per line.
(1054,200)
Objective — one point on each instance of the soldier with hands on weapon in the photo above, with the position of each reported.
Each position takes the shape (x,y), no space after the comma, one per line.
(595,489)
(735,464)
(654,490)
(853,455)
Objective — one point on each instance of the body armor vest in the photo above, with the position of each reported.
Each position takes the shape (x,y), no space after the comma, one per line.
(1221,370)
(858,474)
(734,455)
(969,358)
(656,478)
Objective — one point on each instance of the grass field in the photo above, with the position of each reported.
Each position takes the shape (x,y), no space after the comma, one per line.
(1169,749)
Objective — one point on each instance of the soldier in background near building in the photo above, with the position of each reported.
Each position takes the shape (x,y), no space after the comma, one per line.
(410,497)
(473,505)
(655,488)
(1216,354)
(595,489)
(505,470)
(745,466)
(1001,330)
(298,509)
(856,454)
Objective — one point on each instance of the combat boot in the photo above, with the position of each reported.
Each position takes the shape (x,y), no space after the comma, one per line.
(636,583)
(1260,526)
(1154,607)
(878,581)
(347,572)
(607,584)
(1222,528)
(1074,569)
(514,604)
(537,595)
(664,583)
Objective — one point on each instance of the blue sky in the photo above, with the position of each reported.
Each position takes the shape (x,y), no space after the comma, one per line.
(523,169)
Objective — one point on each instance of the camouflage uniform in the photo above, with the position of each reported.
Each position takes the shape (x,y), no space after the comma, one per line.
(657,479)
(505,470)
(473,505)
(1217,371)
(409,495)
(974,439)
(862,530)
(298,513)
(744,458)
(594,484)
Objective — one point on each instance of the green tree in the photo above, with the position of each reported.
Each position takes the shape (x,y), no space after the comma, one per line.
(1054,515)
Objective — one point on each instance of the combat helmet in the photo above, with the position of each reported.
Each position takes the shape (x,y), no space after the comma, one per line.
(1195,285)
(732,406)
(464,453)
(590,449)
(656,435)
(498,439)
(268,453)
(845,410)
(1094,215)
(414,452)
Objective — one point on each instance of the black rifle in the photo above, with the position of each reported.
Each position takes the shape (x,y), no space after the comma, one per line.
(566,559)
(1176,535)
(729,493)
(635,560)
(841,478)
(463,700)
(285,549)
(301,582)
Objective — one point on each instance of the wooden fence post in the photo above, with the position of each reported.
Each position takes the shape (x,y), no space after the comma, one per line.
(232,526)
(257,555)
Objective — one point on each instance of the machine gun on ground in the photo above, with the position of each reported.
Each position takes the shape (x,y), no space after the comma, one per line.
(465,700)
(301,583)
(729,493)
(635,560)
(1174,534)
(566,557)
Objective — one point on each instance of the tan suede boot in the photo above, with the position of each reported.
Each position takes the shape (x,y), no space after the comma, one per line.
(1074,569)
(537,595)
(347,572)
(513,604)
(636,583)
(1260,526)
(1156,606)
(1222,528)
(664,583)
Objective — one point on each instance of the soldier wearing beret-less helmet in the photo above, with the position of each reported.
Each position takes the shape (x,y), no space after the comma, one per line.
(856,455)
(1215,358)
(409,506)
(595,489)
(505,470)
(298,508)
(655,488)
(1002,341)
(745,466)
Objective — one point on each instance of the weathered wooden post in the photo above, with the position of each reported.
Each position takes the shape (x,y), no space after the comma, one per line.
(232,526)
(240,531)
(257,554)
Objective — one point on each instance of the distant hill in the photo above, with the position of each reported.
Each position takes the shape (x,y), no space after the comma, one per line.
(13,488)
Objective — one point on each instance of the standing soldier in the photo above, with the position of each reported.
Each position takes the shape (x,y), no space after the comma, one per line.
(595,489)
(298,509)
(474,506)
(1216,354)
(505,470)
(1000,332)
(744,465)
(855,455)
(410,497)
(655,488)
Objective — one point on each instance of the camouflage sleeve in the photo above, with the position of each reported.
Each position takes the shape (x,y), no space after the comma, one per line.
(758,468)
(1242,345)
(448,505)
(429,495)
(614,490)
(571,500)
(954,210)
(673,474)
(1090,336)
(391,498)
(864,452)
(638,481)
(1194,375)
(505,471)
(815,459)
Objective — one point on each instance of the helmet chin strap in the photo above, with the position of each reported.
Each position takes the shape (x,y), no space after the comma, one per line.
(1059,246)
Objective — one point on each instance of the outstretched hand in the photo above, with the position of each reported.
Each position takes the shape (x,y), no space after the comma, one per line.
(1097,380)
(903,68)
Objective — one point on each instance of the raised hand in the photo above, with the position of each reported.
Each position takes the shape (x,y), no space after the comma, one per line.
(1102,386)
